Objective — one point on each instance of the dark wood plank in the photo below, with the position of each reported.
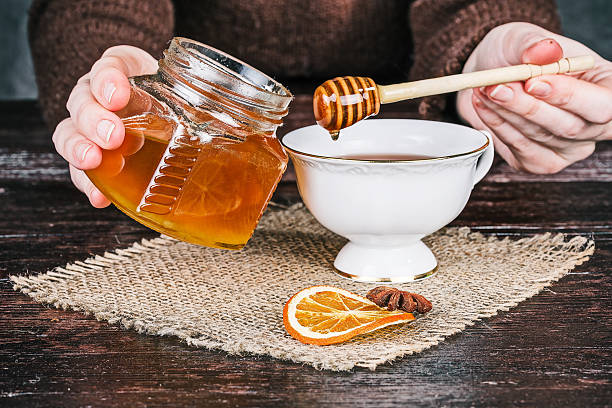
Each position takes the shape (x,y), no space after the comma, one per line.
(516,359)
(551,350)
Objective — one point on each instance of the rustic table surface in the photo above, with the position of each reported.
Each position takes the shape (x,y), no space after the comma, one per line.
(551,350)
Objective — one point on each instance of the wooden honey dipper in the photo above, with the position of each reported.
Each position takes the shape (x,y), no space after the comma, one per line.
(343,101)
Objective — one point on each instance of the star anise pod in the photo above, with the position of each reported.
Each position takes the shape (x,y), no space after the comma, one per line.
(394,299)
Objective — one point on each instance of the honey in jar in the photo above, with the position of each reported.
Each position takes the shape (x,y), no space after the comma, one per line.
(200,159)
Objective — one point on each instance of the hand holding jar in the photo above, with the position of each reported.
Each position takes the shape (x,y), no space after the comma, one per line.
(189,149)
(92,125)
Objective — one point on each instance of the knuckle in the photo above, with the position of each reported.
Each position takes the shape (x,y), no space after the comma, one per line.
(574,129)
(497,30)
(555,166)
(586,150)
(60,134)
(545,166)
(513,32)
(74,154)
(98,67)
(603,116)
(70,103)
(62,126)
(127,54)
(85,112)
(533,108)
(542,136)
(608,115)
(606,133)
(109,62)
(111,51)
(494,121)
(521,144)
(55,139)
(89,188)
(74,176)
(77,92)
(85,79)
(516,165)
(100,63)
(563,98)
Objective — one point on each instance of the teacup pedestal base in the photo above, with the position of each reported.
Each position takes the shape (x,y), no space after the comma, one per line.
(386,264)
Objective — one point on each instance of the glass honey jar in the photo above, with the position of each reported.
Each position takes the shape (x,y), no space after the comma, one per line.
(200,159)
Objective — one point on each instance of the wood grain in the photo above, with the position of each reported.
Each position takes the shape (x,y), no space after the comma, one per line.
(551,350)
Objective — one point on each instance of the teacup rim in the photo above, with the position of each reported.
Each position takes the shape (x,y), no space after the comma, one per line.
(352,160)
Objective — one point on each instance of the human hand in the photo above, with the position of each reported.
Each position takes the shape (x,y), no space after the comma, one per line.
(548,122)
(92,125)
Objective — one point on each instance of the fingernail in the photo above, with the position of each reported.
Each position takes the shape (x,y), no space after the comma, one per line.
(502,93)
(105,129)
(109,90)
(539,88)
(478,102)
(82,150)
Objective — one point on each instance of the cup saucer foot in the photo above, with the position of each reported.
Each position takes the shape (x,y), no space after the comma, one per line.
(408,263)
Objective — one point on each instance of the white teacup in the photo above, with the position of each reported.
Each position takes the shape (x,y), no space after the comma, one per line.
(385,207)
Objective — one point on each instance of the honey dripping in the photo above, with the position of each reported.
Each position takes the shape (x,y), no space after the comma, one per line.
(342,101)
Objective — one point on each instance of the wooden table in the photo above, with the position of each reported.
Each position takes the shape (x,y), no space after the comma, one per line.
(551,350)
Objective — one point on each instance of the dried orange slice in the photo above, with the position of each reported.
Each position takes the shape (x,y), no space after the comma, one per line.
(326,315)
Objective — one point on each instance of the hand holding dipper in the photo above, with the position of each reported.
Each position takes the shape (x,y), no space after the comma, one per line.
(343,101)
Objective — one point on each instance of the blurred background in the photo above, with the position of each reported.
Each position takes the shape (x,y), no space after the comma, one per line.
(587,21)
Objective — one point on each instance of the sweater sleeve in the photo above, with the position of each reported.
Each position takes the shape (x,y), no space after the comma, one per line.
(445,32)
(68,36)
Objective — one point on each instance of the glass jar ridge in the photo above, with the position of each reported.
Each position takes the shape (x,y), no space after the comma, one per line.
(209,78)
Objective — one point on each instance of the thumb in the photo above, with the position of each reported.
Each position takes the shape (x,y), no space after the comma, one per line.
(530,44)
(545,51)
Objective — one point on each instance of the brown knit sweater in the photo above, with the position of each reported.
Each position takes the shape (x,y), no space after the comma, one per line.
(389,40)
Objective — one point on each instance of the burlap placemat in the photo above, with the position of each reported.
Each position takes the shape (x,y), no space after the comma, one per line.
(233,300)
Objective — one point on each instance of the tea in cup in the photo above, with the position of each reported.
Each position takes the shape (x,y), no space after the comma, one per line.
(386,184)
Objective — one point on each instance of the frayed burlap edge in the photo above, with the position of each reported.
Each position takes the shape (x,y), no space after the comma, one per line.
(44,288)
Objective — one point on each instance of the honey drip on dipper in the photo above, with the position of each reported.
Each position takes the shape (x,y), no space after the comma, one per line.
(341,102)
